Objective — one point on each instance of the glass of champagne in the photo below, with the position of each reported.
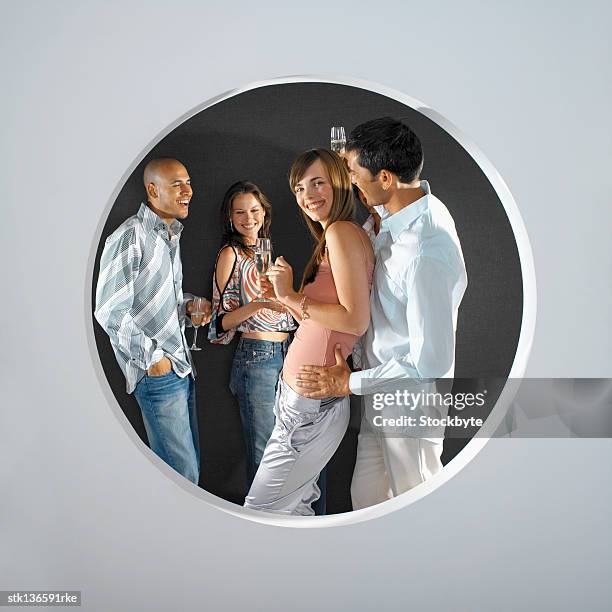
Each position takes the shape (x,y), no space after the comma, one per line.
(263,257)
(338,139)
(197,318)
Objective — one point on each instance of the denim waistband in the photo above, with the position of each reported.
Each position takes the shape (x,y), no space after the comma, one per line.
(273,346)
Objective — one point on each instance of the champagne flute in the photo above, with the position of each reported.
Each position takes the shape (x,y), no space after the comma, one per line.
(263,257)
(197,318)
(338,139)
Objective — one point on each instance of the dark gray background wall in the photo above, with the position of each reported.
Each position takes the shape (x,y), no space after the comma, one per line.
(255,136)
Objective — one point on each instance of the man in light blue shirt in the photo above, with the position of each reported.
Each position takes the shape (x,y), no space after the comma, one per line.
(419,281)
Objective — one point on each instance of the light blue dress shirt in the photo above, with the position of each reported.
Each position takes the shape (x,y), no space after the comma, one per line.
(419,281)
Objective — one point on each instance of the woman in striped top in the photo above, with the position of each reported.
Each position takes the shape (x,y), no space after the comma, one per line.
(264,326)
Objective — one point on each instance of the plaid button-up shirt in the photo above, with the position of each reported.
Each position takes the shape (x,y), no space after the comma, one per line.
(139,297)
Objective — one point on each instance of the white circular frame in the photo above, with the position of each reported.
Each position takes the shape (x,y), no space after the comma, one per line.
(501,406)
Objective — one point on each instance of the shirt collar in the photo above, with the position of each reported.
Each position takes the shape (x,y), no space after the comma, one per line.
(381,210)
(368,224)
(399,221)
(151,222)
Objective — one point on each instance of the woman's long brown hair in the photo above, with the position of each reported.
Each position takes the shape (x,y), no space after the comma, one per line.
(343,205)
(229,234)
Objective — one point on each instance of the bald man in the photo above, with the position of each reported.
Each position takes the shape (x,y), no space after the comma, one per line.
(141,306)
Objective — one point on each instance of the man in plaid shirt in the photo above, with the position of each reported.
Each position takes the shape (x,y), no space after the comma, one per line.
(141,306)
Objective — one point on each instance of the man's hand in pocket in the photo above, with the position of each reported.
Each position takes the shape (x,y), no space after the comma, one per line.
(162,367)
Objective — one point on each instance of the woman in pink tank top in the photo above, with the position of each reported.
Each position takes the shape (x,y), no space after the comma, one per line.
(332,307)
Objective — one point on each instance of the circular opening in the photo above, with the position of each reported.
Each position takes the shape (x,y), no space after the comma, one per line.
(254,133)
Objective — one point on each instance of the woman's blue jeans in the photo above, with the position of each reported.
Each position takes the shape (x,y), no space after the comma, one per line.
(255,370)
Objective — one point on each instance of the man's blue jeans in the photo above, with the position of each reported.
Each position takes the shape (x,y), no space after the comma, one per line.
(168,409)
(255,371)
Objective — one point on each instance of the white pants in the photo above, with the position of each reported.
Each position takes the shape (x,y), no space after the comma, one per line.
(387,466)
(305,437)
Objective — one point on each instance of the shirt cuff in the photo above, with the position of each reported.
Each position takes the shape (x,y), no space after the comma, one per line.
(355,382)
(182,309)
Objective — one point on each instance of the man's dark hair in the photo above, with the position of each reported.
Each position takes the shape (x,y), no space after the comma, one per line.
(387,144)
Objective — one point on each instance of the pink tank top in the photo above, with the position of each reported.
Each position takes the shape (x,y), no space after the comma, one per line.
(314,344)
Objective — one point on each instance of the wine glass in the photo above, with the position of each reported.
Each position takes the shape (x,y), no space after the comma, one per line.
(197,318)
(263,257)
(338,139)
